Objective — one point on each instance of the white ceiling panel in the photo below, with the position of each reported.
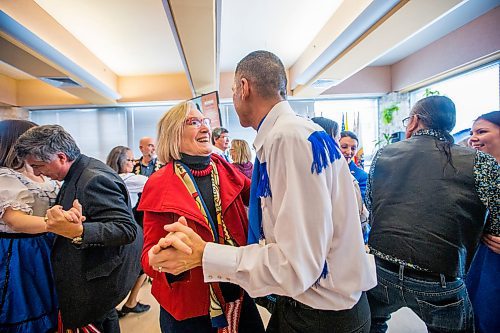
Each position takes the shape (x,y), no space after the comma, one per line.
(132,37)
(284,27)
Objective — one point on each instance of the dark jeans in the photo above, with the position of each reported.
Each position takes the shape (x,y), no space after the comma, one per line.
(443,305)
(250,321)
(109,324)
(290,316)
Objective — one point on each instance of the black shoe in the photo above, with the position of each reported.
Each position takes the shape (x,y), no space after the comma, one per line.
(136,309)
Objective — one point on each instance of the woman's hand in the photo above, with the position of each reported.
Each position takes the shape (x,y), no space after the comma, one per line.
(64,223)
(493,242)
(179,251)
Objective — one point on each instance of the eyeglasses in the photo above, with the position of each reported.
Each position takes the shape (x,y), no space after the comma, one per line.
(406,121)
(197,122)
(130,160)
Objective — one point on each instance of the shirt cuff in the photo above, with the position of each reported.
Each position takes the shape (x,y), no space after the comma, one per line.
(219,262)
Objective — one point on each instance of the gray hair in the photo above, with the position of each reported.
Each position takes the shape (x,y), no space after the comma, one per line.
(217,133)
(436,112)
(266,71)
(117,158)
(43,142)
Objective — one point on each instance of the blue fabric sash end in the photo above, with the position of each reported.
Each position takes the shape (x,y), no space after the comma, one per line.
(324,149)
(219,321)
(255,232)
(263,187)
(323,275)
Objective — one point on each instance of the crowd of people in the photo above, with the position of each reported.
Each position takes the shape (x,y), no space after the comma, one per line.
(332,247)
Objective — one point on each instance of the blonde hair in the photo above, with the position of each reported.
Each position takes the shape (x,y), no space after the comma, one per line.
(170,130)
(240,151)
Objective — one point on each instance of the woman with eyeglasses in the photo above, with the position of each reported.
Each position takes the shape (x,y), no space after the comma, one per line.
(210,195)
(121,159)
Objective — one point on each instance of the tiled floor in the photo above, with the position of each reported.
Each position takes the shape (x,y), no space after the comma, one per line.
(403,321)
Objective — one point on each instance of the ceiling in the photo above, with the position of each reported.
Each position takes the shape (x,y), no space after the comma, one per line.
(142,50)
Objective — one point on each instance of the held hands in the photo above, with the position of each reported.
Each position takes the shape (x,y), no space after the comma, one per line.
(179,251)
(67,223)
(493,242)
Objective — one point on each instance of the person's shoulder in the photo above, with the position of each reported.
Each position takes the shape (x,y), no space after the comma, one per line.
(10,176)
(132,177)
(158,176)
(96,171)
(227,168)
(293,127)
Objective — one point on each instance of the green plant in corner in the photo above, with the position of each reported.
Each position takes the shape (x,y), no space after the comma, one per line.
(388,113)
(384,141)
(428,92)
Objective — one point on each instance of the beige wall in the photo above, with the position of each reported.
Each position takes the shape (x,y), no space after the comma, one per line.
(38,93)
(8,91)
(154,88)
(13,113)
(368,81)
(473,41)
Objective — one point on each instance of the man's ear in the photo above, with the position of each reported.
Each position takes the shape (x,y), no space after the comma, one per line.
(245,88)
(62,157)
(412,126)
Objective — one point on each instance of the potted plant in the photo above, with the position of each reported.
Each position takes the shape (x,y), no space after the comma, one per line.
(388,113)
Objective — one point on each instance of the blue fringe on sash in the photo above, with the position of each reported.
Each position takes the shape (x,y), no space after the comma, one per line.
(324,273)
(263,187)
(324,150)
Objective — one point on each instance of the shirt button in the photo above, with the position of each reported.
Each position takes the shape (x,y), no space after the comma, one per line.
(210,277)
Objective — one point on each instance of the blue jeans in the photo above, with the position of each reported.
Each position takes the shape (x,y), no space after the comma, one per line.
(443,306)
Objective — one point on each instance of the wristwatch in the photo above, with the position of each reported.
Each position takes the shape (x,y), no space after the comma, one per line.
(78,240)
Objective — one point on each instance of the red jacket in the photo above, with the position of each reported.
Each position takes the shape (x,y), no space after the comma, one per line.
(164,199)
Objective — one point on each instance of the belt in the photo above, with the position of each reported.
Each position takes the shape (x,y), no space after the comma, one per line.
(413,273)
(294,303)
(15,235)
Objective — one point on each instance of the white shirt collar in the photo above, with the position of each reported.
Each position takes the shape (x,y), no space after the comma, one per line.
(277,110)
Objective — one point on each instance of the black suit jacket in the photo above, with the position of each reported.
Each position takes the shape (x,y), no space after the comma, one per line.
(92,278)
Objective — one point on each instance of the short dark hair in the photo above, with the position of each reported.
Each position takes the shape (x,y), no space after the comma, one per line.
(43,142)
(117,158)
(349,134)
(265,71)
(10,131)
(330,126)
(217,133)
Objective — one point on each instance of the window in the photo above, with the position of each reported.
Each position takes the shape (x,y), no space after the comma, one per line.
(474,93)
(366,110)
(96,131)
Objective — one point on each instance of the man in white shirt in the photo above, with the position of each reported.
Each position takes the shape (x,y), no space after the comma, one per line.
(220,140)
(303,214)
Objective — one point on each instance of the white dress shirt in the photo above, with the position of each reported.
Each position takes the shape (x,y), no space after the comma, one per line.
(135,185)
(310,219)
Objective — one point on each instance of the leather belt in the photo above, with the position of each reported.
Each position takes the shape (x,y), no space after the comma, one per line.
(413,273)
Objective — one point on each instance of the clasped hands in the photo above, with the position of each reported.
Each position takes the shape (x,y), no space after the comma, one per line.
(67,223)
(179,251)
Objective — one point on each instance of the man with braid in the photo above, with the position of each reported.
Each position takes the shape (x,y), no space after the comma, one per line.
(305,243)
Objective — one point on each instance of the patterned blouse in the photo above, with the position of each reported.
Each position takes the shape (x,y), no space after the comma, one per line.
(487,183)
(21,193)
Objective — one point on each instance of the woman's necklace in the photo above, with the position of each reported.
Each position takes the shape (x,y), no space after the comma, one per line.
(202,173)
